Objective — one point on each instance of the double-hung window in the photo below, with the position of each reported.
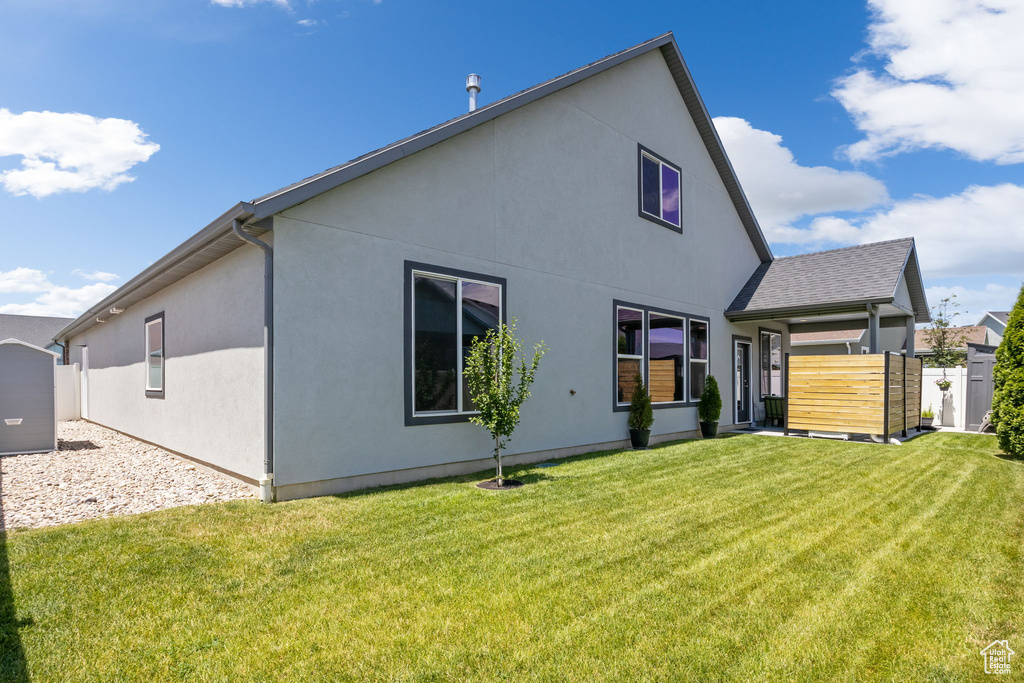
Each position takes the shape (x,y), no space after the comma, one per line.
(659,190)
(446,309)
(155,356)
(653,343)
(771,363)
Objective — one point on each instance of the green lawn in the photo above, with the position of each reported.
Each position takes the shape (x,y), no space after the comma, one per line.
(743,558)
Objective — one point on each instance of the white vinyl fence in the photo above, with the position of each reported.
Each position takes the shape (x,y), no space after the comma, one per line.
(950,406)
(69,402)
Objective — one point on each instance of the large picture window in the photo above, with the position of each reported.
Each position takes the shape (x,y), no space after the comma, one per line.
(771,363)
(446,310)
(155,356)
(659,190)
(653,343)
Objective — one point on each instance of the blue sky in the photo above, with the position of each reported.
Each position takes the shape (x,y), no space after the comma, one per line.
(847,122)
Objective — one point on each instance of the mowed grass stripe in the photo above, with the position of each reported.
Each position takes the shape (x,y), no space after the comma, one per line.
(733,558)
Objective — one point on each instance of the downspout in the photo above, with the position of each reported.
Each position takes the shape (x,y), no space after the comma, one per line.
(267,480)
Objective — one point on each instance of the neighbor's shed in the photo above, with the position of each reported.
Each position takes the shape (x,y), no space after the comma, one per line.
(28,410)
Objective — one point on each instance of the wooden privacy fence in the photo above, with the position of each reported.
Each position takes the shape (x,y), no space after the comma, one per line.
(875,394)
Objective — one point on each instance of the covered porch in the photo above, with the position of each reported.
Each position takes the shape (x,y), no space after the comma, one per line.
(868,289)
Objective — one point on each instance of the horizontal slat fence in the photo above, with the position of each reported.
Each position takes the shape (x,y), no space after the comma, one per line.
(858,394)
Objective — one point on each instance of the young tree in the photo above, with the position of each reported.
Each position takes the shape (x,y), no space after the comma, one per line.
(499,378)
(946,341)
(1008,375)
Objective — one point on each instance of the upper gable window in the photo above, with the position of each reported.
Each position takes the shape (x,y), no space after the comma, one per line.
(659,190)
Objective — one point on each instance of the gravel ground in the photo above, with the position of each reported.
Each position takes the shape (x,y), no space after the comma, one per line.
(97,472)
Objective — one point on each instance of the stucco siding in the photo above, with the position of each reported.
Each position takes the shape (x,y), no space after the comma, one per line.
(212,409)
(545,197)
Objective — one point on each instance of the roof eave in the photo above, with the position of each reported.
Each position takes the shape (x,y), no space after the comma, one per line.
(828,308)
(212,232)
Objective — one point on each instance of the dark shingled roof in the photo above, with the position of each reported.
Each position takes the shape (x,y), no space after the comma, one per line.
(31,329)
(1001,316)
(833,280)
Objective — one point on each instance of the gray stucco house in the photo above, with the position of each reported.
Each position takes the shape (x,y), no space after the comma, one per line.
(598,208)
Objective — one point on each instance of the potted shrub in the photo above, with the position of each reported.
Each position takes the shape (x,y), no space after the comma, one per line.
(927,417)
(641,416)
(710,408)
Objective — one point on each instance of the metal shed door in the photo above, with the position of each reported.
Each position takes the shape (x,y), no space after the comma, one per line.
(27,410)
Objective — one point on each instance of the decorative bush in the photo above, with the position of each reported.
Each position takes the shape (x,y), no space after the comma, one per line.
(641,415)
(710,407)
(1008,398)
(928,413)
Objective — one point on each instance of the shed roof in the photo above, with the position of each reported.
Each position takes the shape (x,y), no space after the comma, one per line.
(36,330)
(34,347)
(835,280)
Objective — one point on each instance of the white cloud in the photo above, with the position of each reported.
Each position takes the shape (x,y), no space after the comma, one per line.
(69,152)
(52,299)
(96,275)
(975,302)
(953,78)
(308,23)
(780,190)
(979,231)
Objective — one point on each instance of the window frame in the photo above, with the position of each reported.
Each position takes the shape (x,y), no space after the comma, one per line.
(645,363)
(662,161)
(761,331)
(151,320)
(413,268)
(690,359)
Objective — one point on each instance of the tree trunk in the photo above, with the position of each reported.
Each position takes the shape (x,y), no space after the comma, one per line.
(497,455)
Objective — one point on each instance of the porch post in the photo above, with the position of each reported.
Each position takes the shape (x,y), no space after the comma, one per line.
(873,329)
(911,331)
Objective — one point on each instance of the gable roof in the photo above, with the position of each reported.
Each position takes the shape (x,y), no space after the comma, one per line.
(1000,317)
(217,239)
(296,193)
(34,347)
(35,330)
(833,281)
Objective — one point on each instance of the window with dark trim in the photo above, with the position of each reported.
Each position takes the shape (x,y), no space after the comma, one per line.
(445,310)
(653,343)
(771,362)
(155,356)
(659,189)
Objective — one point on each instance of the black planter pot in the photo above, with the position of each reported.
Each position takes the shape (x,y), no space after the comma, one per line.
(708,429)
(638,438)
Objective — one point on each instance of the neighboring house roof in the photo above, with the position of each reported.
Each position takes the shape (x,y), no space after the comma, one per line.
(837,280)
(217,239)
(835,337)
(975,334)
(1000,317)
(35,330)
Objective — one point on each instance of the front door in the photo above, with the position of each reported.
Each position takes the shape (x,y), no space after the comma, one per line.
(742,381)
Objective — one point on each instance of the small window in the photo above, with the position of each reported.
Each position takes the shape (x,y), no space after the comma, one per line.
(659,190)
(630,339)
(771,363)
(447,309)
(155,356)
(698,358)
